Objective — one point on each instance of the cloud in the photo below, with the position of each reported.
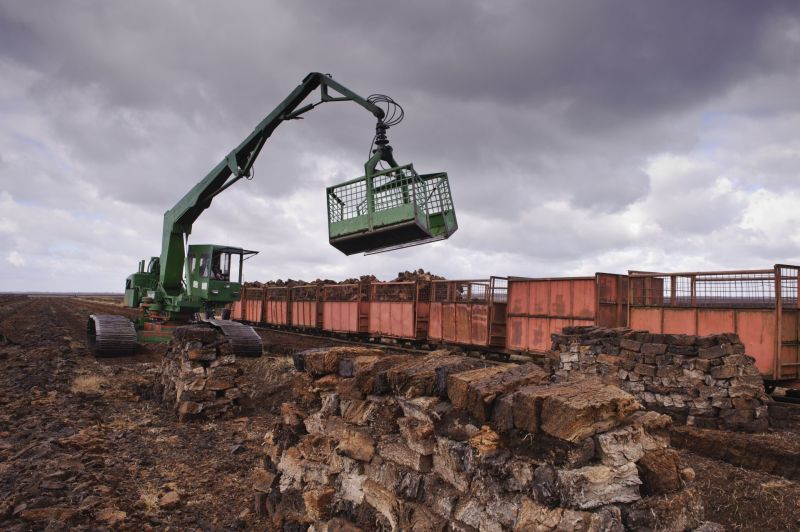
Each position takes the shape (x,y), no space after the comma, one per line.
(15,259)
(577,137)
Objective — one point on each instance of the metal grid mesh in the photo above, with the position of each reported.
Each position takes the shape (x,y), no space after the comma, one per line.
(398,187)
(341,292)
(499,288)
(404,291)
(254,294)
(305,293)
(424,293)
(473,292)
(391,188)
(347,201)
(434,194)
(482,291)
(440,290)
(279,293)
(736,289)
(790,280)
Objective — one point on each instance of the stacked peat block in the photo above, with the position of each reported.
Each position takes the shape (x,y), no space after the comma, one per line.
(199,374)
(706,381)
(444,442)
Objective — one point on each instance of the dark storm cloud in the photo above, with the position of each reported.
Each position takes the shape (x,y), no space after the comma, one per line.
(547,115)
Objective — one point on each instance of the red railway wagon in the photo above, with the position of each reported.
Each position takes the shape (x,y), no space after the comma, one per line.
(236,307)
(345,308)
(761,306)
(538,308)
(277,308)
(252,304)
(399,309)
(305,302)
(469,313)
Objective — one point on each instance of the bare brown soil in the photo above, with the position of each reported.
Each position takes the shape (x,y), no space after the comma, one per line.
(743,499)
(87,443)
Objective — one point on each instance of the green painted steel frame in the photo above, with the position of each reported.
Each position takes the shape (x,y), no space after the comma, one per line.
(429,210)
(169,293)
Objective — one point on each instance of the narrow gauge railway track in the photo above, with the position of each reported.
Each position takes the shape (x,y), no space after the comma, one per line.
(338,340)
(391,346)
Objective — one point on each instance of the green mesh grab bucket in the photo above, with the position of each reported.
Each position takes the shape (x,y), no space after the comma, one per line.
(390,209)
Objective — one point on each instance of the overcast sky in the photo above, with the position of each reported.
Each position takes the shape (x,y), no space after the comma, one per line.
(578,136)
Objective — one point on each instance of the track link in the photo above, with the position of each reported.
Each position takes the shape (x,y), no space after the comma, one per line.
(110,335)
(244,341)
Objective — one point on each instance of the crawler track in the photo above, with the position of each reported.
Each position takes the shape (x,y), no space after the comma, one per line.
(110,334)
(244,341)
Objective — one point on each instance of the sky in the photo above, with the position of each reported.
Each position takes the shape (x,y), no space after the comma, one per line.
(578,137)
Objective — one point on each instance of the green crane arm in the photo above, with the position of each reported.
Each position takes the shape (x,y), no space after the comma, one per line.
(238,164)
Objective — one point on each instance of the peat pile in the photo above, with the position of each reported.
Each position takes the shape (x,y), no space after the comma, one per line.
(705,381)
(445,442)
(414,275)
(199,374)
(417,275)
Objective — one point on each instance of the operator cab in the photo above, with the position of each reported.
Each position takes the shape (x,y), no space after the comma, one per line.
(214,273)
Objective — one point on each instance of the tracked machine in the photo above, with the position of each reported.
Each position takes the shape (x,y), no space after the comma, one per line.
(389,207)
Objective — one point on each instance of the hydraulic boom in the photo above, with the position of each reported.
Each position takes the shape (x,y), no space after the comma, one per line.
(180,283)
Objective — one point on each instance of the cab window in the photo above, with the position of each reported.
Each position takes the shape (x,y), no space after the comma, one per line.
(221,266)
(205,265)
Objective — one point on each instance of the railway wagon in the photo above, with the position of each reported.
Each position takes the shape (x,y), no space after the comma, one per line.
(252,304)
(470,313)
(345,308)
(399,309)
(236,307)
(539,307)
(761,306)
(305,302)
(277,307)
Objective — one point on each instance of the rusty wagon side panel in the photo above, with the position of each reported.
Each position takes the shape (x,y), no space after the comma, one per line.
(345,308)
(237,306)
(276,306)
(761,306)
(538,308)
(399,309)
(467,312)
(306,306)
(252,304)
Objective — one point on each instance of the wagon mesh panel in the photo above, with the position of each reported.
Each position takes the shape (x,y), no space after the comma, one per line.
(425,292)
(277,294)
(499,290)
(790,278)
(393,291)
(341,292)
(482,291)
(304,293)
(254,294)
(471,291)
(754,289)
(439,290)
